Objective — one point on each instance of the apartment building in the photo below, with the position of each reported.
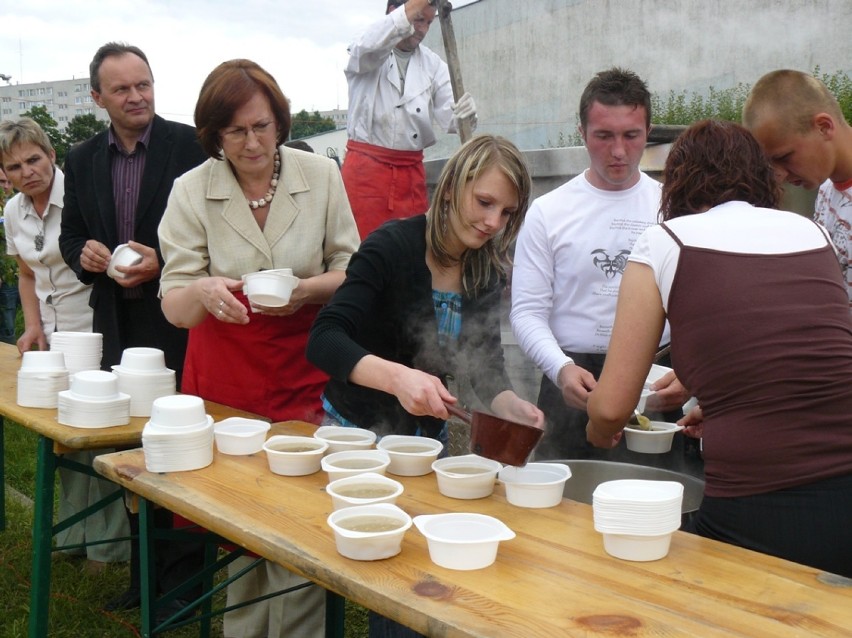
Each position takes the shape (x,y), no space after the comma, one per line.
(64,100)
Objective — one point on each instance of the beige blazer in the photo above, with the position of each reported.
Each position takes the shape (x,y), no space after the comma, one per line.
(208,228)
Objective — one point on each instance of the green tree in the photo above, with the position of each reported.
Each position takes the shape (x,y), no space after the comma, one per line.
(48,125)
(304,124)
(82,127)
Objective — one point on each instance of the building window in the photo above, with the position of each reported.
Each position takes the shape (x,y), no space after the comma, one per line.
(78,100)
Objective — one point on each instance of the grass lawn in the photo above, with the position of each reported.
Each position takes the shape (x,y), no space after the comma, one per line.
(76,595)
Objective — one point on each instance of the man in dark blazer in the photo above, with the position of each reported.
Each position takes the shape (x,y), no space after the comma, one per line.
(126,310)
(117,185)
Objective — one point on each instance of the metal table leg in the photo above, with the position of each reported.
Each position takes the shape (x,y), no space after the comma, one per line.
(2,476)
(42,539)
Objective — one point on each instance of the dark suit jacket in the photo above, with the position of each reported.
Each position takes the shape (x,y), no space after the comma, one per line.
(89,213)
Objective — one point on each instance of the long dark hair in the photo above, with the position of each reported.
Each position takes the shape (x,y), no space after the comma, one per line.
(713,162)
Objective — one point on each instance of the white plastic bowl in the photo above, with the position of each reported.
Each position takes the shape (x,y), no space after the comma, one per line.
(536,485)
(239,436)
(269,288)
(94,384)
(294,455)
(410,455)
(125,256)
(178,410)
(143,360)
(43,360)
(656,373)
(463,541)
(637,548)
(363,489)
(658,440)
(369,545)
(466,477)
(643,399)
(340,438)
(351,462)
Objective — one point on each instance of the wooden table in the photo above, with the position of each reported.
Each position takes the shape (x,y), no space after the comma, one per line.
(54,441)
(553,580)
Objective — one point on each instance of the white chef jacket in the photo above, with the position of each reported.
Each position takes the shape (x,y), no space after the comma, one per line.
(379,113)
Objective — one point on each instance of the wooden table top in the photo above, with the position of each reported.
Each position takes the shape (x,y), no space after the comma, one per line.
(553,579)
(43,420)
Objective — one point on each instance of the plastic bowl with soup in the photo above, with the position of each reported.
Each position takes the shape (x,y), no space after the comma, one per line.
(466,477)
(656,439)
(410,455)
(351,462)
(363,489)
(340,438)
(369,532)
(294,455)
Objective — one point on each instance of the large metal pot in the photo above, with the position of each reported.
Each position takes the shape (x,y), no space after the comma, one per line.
(587,474)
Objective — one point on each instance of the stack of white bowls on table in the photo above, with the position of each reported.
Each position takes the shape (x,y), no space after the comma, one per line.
(41,377)
(637,517)
(82,350)
(179,435)
(144,376)
(93,401)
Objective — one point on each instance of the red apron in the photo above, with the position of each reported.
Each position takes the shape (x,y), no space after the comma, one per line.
(259,367)
(383,184)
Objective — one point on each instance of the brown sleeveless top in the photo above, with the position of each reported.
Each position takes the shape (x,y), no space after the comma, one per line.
(765,344)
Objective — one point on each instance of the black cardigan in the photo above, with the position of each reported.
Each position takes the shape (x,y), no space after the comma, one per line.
(385,308)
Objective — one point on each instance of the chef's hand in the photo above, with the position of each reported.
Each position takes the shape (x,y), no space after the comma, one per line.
(601,440)
(95,256)
(693,423)
(576,383)
(509,405)
(145,270)
(465,107)
(422,394)
(670,394)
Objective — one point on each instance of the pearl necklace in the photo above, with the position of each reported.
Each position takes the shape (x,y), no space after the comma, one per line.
(273,184)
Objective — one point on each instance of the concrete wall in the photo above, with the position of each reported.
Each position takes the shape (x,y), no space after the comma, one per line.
(526,61)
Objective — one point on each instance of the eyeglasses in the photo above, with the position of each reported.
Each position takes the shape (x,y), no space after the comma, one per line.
(238,135)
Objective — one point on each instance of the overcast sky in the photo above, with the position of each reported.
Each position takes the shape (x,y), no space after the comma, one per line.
(302,43)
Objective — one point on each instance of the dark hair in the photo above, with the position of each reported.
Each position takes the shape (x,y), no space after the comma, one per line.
(713,162)
(229,87)
(615,87)
(299,144)
(108,50)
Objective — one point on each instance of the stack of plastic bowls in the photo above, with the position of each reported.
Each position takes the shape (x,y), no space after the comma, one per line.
(82,350)
(93,401)
(636,517)
(41,377)
(179,435)
(144,376)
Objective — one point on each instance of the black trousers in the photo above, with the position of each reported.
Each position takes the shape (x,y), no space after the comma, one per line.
(809,524)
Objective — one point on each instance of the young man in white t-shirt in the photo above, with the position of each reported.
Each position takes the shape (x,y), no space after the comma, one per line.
(571,253)
(800,126)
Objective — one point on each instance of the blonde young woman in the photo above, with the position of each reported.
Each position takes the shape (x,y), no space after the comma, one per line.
(421,303)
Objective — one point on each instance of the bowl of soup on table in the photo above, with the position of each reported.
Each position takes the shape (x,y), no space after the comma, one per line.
(363,489)
(410,455)
(466,477)
(341,438)
(351,462)
(294,455)
(369,532)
